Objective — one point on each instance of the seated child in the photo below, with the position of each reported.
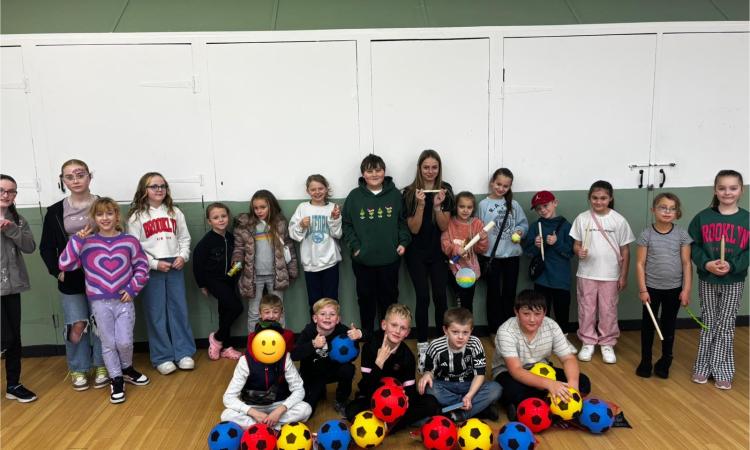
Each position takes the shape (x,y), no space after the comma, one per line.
(265,393)
(316,368)
(271,309)
(455,366)
(386,355)
(526,339)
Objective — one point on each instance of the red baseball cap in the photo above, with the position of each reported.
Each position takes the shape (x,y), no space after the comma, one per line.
(541,198)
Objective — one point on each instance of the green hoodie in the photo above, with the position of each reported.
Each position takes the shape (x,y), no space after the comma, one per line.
(375,225)
(706,229)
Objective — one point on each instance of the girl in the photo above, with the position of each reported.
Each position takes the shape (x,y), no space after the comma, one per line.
(15,237)
(316,225)
(504,251)
(262,244)
(664,278)
(721,281)
(211,267)
(160,227)
(115,269)
(461,229)
(601,242)
(62,220)
(428,214)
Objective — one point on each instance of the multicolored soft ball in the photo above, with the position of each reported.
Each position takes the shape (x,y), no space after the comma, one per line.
(567,409)
(535,414)
(258,437)
(474,434)
(465,277)
(225,436)
(367,430)
(439,433)
(334,435)
(389,403)
(516,436)
(294,436)
(596,415)
(343,349)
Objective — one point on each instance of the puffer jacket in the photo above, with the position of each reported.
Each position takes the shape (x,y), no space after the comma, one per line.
(14,240)
(244,250)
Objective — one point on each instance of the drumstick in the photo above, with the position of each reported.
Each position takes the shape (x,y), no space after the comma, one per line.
(653,319)
(474,240)
(431,191)
(541,240)
(585,239)
(721,249)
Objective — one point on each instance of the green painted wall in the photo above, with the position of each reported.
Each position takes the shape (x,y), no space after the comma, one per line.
(39,304)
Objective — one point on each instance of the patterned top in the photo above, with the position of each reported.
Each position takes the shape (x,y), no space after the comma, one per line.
(456,366)
(663,258)
(510,342)
(111,264)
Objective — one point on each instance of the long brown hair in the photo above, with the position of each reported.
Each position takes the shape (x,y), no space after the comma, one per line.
(505,172)
(139,205)
(410,191)
(274,215)
(724,173)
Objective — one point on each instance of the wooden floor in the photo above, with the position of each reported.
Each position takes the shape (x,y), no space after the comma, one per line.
(177,411)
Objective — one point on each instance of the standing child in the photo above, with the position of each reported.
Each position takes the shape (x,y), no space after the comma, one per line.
(15,238)
(316,225)
(462,227)
(504,249)
(554,281)
(664,279)
(116,269)
(316,367)
(376,233)
(455,368)
(263,246)
(160,227)
(601,238)
(721,281)
(211,267)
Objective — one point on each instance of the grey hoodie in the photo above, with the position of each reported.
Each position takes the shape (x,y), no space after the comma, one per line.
(13,241)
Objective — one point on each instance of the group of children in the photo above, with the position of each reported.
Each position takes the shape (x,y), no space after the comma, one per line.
(100,270)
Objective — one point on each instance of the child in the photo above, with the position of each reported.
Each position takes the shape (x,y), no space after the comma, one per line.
(601,238)
(160,227)
(721,280)
(263,246)
(271,309)
(455,367)
(83,349)
(116,269)
(503,249)
(376,233)
(664,279)
(15,238)
(526,339)
(265,393)
(211,265)
(462,227)
(386,355)
(554,281)
(312,347)
(316,225)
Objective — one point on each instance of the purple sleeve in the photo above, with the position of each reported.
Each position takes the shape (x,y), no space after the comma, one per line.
(70,257)
(140,268)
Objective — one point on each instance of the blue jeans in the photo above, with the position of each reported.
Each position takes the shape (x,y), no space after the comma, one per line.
(76,309)
(170,337)
(452,392)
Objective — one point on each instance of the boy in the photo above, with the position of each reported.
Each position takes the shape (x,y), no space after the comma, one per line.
(375,231)
(265,393)
(526,339)
(316,368)
(271,309)
(554,281)
(386,355)
(455,366)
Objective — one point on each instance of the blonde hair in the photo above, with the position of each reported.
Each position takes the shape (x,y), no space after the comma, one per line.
(140,198)
(400,310)
(323,302)
(104,204)
(271,301)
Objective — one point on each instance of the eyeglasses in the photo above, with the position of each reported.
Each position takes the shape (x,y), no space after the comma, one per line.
(157,187)
(665,209)
(9,192)
(75,176)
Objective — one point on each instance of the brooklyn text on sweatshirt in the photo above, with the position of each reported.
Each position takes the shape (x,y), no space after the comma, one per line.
(733,234)
(159,225)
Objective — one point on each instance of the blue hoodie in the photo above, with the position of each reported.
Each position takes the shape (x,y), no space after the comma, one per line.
(557,257)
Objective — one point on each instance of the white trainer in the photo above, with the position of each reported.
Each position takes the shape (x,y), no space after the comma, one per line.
(186,363)
(166,367)
(587,351)
(421,355)
(608,354)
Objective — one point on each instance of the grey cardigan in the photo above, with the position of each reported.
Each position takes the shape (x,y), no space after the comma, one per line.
(13,241)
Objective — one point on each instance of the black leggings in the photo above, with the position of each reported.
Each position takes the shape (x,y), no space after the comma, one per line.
(669,300)
(501,291)
(229,305)
(316,382)
(419,270)
(11,337)
(377,289)
(559,299)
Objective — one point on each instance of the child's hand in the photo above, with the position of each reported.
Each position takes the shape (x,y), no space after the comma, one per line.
(61,277)
(5,224)
(163,266)
(425,381)
(559,390)
(538,242)
(178,263)
(205,292)
(273,418)
(305,222)
(336,212)
(645,298)
(354,333)
(467,403)
(621,283)
(319,341)
(583,253)
(552,238)
(400,250)
(85,232)
(684,297)
(384,352)
(259,416)
(125,297)
(483,234)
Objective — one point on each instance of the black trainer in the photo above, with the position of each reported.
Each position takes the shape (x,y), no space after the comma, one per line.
(511,411)
(132,376)
(20,393)
(117,389)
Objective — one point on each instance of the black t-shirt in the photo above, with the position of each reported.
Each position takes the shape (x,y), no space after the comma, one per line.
(400,365)
(426,243)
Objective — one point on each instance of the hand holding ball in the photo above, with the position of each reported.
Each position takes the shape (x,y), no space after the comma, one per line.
(515,238)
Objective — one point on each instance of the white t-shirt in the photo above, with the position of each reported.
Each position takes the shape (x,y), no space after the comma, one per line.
(601,263)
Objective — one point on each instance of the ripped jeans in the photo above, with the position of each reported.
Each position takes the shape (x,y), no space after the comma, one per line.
(76,309)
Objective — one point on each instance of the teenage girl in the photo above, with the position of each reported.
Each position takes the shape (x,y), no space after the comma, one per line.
(504,249)
(62,220)
(720,281)
(316,225)
(263,246)
(601,243)
(160,227)
(427,216)
(115,269)
(462,227)
(15,238)
(211,266)
(664,279)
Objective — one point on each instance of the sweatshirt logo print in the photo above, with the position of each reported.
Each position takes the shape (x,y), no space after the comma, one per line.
(318,228)
(160,225)
(379,213)
(733,234)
